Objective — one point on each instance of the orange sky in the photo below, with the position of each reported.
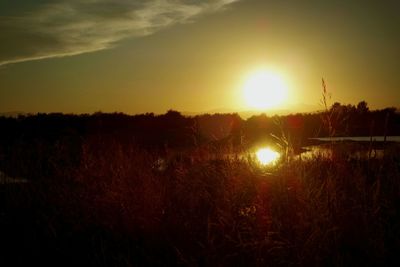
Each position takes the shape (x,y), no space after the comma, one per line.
(192,56)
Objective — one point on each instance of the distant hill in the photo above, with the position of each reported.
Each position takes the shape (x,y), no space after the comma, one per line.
(245,114)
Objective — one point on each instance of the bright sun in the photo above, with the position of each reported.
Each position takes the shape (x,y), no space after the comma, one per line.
(267,156)
(264,90)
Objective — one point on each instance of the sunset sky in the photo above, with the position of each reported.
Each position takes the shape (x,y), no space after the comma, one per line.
(135,56)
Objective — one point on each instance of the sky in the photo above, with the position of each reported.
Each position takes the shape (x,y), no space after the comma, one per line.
(137,56)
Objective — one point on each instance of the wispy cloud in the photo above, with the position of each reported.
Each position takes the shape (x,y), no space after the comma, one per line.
(71,27)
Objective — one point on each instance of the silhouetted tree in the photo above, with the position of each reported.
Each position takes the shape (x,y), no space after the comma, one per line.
(362,107)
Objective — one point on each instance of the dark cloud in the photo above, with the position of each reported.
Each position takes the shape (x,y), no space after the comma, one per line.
(71,27)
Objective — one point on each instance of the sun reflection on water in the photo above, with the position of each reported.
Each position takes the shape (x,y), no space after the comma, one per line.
(267,156)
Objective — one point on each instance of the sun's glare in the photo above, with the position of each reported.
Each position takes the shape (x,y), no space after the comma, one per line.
(267,156)
(264,90)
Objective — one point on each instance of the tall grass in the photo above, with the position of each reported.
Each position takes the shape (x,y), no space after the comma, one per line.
(116,209)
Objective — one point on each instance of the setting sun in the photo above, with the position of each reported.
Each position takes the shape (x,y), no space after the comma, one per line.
(267,156)
(265,89)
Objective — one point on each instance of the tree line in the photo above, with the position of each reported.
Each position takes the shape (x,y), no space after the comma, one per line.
(56,139)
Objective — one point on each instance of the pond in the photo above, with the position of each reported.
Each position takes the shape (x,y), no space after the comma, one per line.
(4,179)
(358,138)
(358,146)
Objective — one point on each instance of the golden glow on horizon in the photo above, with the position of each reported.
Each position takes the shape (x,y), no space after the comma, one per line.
(264,90)
(267,156)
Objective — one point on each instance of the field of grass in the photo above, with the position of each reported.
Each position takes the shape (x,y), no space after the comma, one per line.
(118,207)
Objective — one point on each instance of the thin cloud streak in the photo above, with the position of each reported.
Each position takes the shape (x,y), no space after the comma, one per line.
(67,28)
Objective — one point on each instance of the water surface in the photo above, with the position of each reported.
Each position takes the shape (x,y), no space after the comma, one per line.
(359,138)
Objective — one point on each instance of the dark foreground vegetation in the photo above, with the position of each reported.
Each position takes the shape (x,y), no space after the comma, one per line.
(118,190)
